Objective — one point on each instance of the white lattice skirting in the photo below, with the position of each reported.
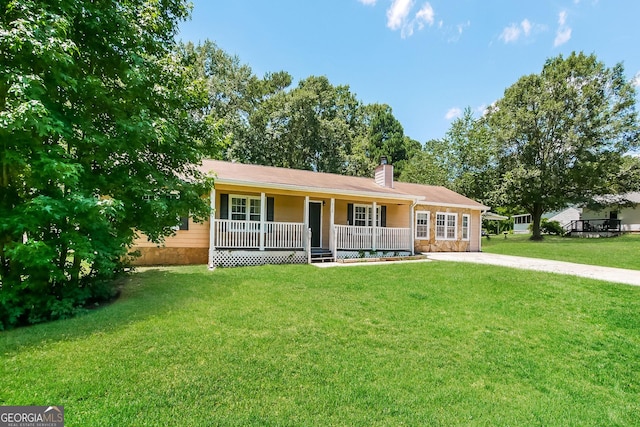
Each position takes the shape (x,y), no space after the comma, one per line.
(371,254)
(239,258)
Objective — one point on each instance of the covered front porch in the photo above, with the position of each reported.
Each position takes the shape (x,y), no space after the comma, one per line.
(287,228)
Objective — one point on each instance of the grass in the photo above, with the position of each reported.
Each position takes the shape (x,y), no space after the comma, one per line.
(620,252)
(406,344)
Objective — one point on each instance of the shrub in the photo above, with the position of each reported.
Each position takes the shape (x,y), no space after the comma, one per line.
(551,227)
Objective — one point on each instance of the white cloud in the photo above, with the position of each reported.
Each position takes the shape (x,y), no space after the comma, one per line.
(397,13)
(562,18)
(398,17)
(368,2)
(461,27)
(526,27)
(563,34)
(425,15)
(453,113)
(636,80)
(511,34)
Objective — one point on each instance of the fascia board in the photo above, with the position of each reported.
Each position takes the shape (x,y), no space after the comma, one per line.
(316,190)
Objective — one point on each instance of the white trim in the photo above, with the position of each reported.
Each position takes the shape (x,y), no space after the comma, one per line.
(263,217)
(376,211)
(305,219)
(335,191)
(247,206)
(428,213)
(374,224)
(332,231)
(468,228)
(446,226)
(320,203)
(324,191)
(212,218)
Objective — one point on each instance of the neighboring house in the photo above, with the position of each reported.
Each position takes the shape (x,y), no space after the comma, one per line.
(627,216)
(522,222)
(265,215)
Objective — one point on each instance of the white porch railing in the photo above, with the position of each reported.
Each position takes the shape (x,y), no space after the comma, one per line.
(363,238)
(246,234)
(393,238)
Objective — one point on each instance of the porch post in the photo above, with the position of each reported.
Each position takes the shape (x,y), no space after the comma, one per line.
(374,230)
(212,226)
(306,220)
(332,231)
(412,227)
(263,210)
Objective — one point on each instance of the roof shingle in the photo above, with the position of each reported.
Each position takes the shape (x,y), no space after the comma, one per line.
(239,173)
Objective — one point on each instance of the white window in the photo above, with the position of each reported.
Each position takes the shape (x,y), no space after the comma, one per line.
(522,219)
(363,215)
(446,226)
(239,211)
(465,227)
(254,209)
(422,225)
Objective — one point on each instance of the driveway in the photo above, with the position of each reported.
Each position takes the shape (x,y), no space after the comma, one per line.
(619,275)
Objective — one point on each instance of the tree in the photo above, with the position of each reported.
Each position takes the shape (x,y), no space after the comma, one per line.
(422,168)
(380,134)
(467,157)
(562,134)
(97,138)
(233,92)
(310,127)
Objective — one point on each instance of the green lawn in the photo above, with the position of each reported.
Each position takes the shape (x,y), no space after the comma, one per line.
(431,343)
(621,252)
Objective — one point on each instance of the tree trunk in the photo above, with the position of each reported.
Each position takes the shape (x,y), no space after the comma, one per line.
(537,219)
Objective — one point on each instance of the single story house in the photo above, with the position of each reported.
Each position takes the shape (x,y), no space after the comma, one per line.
(266,215)
(565,217)
(628,217)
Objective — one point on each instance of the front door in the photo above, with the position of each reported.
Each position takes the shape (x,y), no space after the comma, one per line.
(315,223)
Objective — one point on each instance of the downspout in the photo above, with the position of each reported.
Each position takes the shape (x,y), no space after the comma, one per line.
(482,212)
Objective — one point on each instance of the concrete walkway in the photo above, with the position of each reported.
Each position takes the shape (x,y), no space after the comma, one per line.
(618,275)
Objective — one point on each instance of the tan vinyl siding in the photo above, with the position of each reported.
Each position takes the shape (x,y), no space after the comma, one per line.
(288,208)
(398,216)
(197,236)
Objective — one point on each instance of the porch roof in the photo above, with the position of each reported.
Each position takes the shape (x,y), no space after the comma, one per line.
(320,182)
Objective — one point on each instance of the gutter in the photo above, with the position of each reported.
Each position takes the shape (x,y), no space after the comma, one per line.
(317,190)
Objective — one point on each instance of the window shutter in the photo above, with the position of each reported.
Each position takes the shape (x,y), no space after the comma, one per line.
(270,205)
(224,206)
(184,223)
(383,216)
(350,214)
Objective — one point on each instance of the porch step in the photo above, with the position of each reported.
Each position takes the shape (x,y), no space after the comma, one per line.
(321,255)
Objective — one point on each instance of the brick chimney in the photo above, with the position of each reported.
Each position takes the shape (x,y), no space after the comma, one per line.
(384,173)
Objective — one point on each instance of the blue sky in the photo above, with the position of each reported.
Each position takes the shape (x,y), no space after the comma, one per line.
(427,60)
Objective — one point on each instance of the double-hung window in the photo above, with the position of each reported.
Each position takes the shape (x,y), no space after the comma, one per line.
(446,226)
(363,215)
(422,225)
(244,208)
(465,227)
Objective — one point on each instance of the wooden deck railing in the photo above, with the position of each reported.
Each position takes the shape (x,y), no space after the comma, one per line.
(594,225)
